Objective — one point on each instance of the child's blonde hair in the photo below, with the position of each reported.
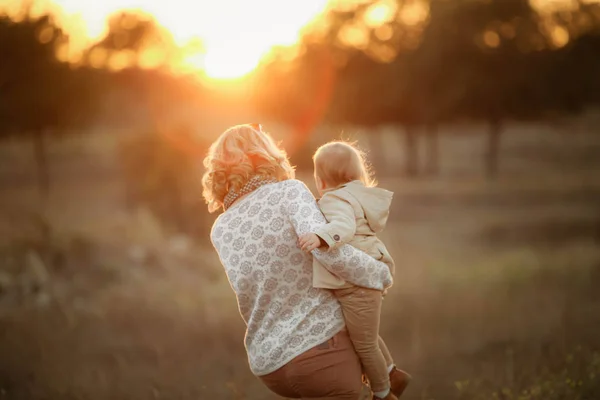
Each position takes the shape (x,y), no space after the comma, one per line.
(238,154)
(340,162)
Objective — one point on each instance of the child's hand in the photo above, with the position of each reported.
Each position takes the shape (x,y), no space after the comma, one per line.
(308,242)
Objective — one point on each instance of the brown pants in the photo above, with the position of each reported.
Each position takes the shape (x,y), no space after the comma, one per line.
(330,370)
(362,311)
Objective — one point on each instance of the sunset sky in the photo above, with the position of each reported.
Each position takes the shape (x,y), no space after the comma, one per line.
(234,34)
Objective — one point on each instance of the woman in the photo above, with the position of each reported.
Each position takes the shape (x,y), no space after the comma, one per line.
(295,338)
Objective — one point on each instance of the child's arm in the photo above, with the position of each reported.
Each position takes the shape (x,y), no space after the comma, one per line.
(347,262)
(340,228)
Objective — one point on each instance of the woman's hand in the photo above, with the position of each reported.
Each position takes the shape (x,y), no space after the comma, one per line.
(308,242)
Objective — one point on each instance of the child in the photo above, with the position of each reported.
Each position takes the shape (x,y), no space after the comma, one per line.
(356,211)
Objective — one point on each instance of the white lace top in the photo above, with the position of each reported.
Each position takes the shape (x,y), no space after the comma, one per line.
(256,240)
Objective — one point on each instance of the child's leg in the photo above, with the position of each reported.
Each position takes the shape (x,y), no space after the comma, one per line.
(399,379)
(362,308)
(389,361)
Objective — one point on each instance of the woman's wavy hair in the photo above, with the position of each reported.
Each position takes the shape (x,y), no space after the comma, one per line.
(240,153)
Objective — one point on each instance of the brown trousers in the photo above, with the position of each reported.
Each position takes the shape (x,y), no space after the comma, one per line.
(330,370)
(362,312)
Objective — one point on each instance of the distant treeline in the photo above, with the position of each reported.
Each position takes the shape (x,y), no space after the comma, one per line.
(480,60)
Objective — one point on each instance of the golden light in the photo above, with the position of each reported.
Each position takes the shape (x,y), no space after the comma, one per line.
(384,32)
(560,36)
(380,13)
(508,31)
(235,34)
(355,35)
(414,13)
(491,39)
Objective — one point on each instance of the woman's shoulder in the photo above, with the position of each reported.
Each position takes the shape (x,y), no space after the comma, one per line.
(298,190)
(292,183)
(293,188)
(276,193)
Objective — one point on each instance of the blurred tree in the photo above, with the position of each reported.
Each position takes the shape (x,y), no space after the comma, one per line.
(370,84)
(573,67)
(421,63)
(373,88)
(133,39)
(159,165)
(40,96)
(469,64)
(35,89)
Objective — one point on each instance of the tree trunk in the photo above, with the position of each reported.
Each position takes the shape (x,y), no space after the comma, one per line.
(433,150)
(493,150)
(41,163)
(411,166)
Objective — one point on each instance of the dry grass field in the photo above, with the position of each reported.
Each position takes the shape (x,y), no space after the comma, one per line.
(497,294)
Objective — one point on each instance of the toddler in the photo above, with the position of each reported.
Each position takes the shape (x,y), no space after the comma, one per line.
(356,210)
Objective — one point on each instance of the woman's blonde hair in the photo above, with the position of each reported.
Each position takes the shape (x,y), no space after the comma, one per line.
(340,162)
(240,153)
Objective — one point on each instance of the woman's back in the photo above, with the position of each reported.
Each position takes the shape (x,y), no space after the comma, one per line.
(272,277)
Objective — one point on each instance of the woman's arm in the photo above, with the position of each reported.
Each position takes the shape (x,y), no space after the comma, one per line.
(347,262)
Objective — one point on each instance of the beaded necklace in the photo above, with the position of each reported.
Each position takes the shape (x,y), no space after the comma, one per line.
(253,183)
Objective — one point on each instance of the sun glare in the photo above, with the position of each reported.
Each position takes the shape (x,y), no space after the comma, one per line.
(235,34)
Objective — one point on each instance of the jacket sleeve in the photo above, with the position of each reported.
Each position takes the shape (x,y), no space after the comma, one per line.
(341,222)
(345,261)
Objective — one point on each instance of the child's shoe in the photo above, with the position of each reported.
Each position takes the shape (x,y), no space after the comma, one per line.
(399,380)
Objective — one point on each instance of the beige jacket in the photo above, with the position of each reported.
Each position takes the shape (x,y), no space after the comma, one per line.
(355,214)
